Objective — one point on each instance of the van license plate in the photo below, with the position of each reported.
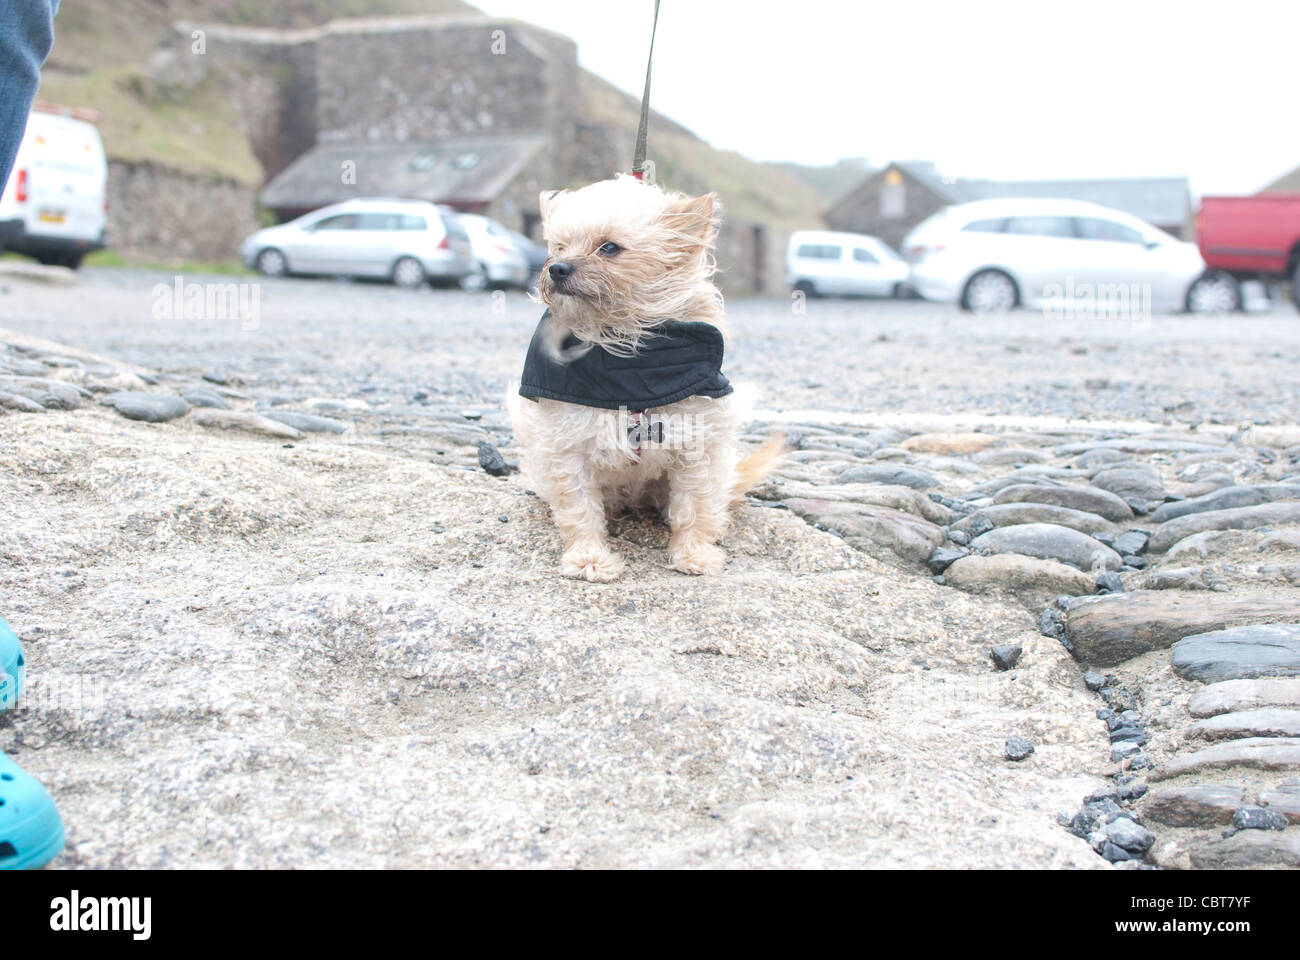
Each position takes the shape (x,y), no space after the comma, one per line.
(51,216)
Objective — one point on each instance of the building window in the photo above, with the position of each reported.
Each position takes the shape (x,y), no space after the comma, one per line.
(893,196)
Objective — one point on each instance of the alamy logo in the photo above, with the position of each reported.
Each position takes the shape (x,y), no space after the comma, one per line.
(1097,301)
(209,301)
(630,430)
(74,913)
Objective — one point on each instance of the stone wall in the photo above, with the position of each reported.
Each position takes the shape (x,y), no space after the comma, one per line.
(155,213)
(751,258)
(268,75)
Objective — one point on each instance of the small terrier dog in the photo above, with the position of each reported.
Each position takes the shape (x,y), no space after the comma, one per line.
(622,402)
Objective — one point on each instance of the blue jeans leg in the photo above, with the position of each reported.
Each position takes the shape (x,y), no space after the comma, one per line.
(26,36)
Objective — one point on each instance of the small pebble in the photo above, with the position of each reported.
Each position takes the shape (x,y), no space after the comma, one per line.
(1018,748)
(1258,818)
(1006,655)
(1110,582)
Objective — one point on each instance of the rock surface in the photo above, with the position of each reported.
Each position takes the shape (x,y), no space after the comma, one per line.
(1050,541)
(1043,579)
(1255,694)
(1247,723)
(1257,753)
(1256,650)
(1086,499)
(1010,514)
(245,421)
(306,422)
(1169,533)
(949,443)
(910,538)
(1225,499)
(1250,849)
(884,473)
(1284,800)
(1195,805)
(1129,484)
(151,407)
(1107,630)
(338,657)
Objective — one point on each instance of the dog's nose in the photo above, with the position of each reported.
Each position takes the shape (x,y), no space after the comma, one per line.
(559,270)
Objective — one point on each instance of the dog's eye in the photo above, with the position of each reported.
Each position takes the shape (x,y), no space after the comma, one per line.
(610,249)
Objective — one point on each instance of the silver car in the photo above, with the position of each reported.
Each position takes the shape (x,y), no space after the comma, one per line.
(500,260)
(410,242)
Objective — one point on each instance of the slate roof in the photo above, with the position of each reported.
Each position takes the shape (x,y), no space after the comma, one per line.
(460,170)
(1157,200)
(1164,201)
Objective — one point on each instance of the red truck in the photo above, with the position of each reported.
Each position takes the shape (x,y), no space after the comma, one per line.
(1245,238)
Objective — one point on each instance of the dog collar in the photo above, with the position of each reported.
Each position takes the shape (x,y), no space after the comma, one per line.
(677,360)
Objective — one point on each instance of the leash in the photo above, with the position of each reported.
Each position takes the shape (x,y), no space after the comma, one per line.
(638,153)
(640,429)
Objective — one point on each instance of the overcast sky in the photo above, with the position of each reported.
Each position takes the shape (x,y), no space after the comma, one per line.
(984,88)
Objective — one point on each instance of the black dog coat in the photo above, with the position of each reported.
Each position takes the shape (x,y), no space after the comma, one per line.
(677,360)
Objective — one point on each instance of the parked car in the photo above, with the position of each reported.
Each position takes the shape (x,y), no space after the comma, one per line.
(55,207)
(499,261)
(534,251)
(1246,238)
(410,242)
(824,263)
(992,255)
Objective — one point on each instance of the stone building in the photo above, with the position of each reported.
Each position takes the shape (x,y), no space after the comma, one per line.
(889,203)
(474,112)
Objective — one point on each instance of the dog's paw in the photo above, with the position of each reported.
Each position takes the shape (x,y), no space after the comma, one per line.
(594,562)
(698,558)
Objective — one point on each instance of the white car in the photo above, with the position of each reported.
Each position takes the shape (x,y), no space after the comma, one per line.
(54,207)
(499,260)
(825,263)
(992,255)
(410,242)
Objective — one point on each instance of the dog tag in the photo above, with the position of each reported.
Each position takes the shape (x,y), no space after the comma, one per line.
(645,433)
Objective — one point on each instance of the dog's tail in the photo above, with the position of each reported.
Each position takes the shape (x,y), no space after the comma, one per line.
(754,467)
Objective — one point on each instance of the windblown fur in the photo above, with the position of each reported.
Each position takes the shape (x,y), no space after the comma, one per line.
(637,256)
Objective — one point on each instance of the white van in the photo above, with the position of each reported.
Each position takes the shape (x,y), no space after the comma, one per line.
(54,206)
(825,263)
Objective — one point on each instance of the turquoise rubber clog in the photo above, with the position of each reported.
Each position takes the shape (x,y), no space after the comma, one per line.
(31,830)
(13,668)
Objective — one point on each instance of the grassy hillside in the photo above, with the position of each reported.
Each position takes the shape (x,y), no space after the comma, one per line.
(831,182)
(101,59)
(103,50)
(683,161)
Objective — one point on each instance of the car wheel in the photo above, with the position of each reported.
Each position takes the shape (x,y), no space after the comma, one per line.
(476,279)
(73,260)
(408,273)
(990,291)
(1295,286)
(272,263)
(806,288)
(1214,293)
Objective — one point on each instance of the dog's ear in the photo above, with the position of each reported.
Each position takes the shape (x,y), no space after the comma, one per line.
(544,200)
(695,219)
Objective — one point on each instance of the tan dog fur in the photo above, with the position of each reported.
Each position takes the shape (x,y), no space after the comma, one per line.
(578,458)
